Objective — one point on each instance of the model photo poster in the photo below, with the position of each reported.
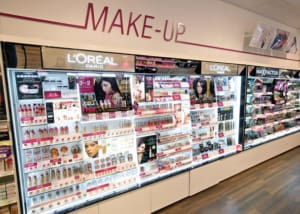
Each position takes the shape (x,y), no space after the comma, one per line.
(202,89)
(103,93)
(146,149)
(262,36)
(280,40)
(291,46)
(138,85)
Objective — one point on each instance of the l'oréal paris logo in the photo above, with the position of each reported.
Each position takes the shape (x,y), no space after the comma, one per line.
(221,69)
(91,61)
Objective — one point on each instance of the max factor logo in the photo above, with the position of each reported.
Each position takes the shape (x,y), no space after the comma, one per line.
(267,72)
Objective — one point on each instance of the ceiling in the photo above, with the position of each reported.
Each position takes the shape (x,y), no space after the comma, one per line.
(283,11)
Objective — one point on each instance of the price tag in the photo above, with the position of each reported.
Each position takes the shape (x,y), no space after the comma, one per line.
(221,151)
(176,85)
(178,163)
(159,126)
(238,148)
(112,115)
(219,88)
(177,149)
(139,129)
(160,154)
(220,104)
(176,97)
(206,123)
(221,134)
(204,156)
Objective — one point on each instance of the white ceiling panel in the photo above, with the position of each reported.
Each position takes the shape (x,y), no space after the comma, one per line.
(283,11)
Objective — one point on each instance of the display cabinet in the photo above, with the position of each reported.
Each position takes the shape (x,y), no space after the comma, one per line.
(272,108)
(215,111)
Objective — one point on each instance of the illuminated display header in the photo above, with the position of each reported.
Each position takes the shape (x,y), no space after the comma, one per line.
(59,58)
(218,68)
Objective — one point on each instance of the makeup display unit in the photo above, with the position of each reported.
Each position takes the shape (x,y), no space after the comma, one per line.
(214,116)
(70,150)
(162,124)
(83,135)
(272,108)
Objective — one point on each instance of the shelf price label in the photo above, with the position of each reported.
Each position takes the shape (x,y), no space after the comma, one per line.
(178,149)
(159,126)
(112,115)
(179,163)
(206,123)
(176,85)
(238,148)
(204,156)
(176,97)
(160,154)
(220,104)
(221,151)
(221,134)
(138,129)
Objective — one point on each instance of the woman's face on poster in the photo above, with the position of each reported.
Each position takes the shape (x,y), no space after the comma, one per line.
(106,87)
(91,148)
(199,88)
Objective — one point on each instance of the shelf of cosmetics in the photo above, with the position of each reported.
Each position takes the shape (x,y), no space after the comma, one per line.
(75,193)
(6,160)
(61,175)
(66,161)
(8,193)
(269,117)
(33,112)
(271,130)
(72,190)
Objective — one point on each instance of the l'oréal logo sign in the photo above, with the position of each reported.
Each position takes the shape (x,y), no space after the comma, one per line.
(59,58)
(218,68)
(221,69)
(91,61)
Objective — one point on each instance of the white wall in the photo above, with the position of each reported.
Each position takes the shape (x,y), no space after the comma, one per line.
(208,22)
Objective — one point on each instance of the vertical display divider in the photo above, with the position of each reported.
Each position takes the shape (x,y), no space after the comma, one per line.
(243,97)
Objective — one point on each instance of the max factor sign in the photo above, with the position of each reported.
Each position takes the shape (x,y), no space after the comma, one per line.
(267,72)
(59,58)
